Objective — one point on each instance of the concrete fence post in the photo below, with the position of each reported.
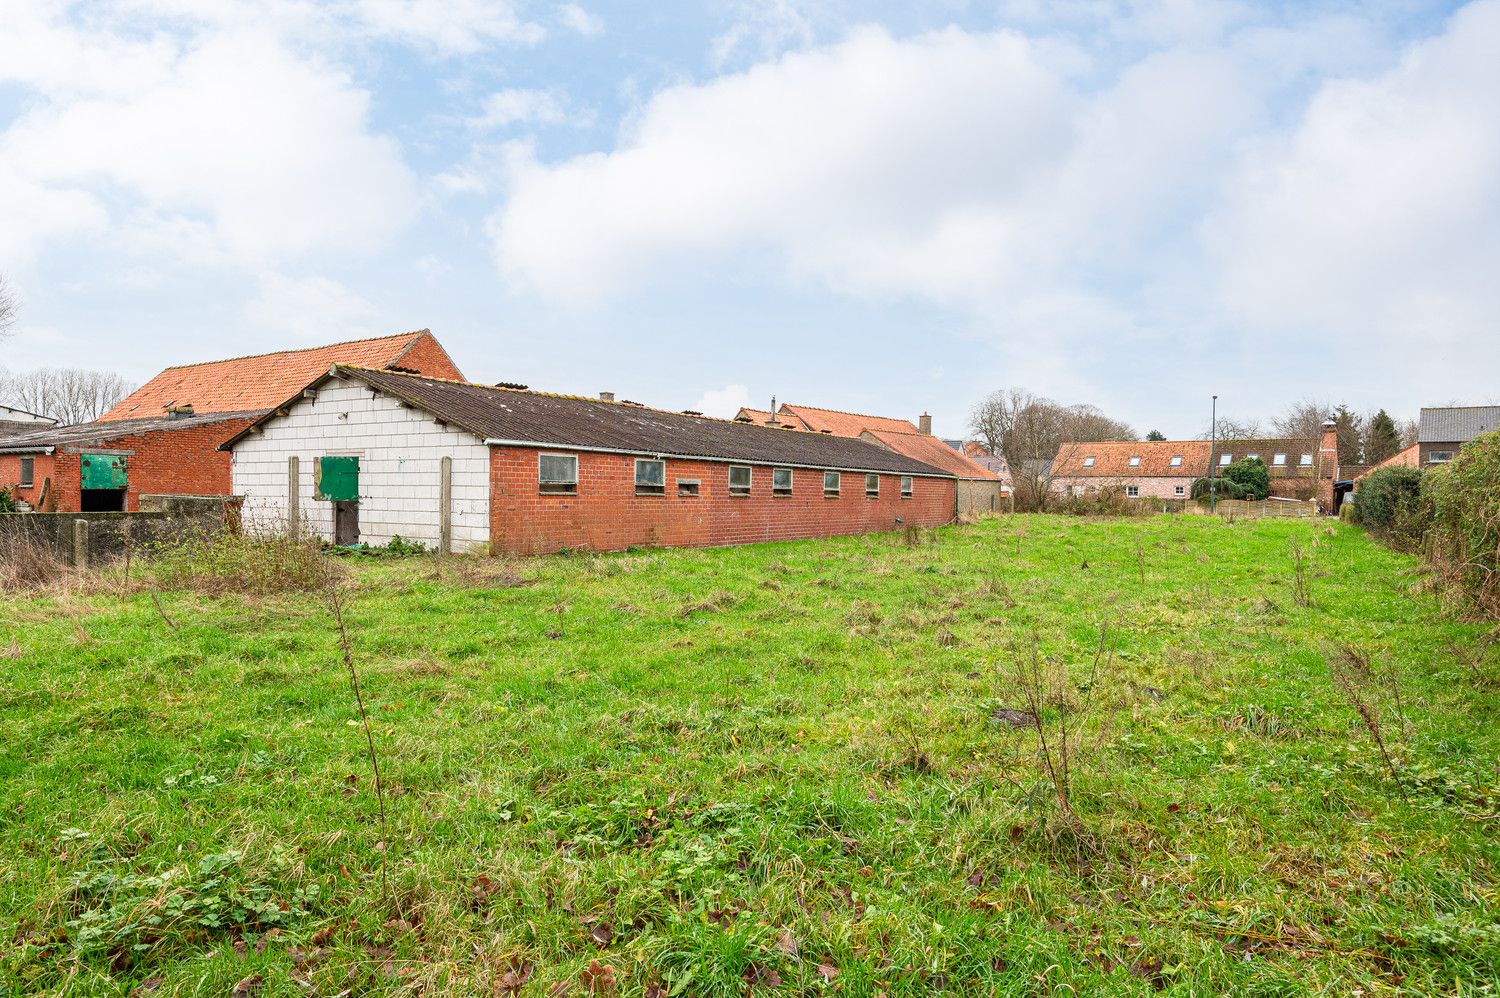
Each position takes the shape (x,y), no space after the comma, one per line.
(445,507)
(81,544)
(293,495)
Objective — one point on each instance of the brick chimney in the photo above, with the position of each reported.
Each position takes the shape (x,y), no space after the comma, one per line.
(925,424)
(1328,462)
(606,396)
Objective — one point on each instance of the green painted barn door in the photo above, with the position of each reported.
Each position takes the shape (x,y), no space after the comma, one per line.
(103,471)
(338,479)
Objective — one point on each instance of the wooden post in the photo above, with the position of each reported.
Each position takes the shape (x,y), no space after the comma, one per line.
(293,490)
(81,545)
(445,507)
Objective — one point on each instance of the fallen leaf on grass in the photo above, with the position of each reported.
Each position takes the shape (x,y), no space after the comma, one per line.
(786,942)
(759,975)
(147,986)
(248,986)
(598,979)
(602,934)
(828,971)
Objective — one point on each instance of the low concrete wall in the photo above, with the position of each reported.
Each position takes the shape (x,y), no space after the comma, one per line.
(95,538)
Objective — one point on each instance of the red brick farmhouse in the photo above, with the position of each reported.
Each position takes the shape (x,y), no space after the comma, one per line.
(365,455)
(164,437)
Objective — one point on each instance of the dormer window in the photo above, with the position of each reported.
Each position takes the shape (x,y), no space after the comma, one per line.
(1176,461)
(1278,459)
(1225,459)
(1135,460)
(1088,462)
(1306,461)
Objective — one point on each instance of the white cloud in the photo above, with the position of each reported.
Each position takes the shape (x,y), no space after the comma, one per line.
(761,29)
(575,18)
(1057,201)
(452,26)
(230,139)
(724,402)
(513,106)
(312,309)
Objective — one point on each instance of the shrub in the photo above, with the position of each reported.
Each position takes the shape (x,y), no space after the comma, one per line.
(1465,540)
(1244,479)
(1104,502)
(28,562)
(1389,503)
(7,500)
(232,563)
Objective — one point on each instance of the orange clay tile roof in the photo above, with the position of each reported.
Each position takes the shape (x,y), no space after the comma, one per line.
(929,449)
(973,448)
(1112,459)
(1409,457)
(845,424)
(762,417)
(262,381)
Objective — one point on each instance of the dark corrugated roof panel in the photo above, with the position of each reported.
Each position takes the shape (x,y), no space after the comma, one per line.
(503,414)
(83,434)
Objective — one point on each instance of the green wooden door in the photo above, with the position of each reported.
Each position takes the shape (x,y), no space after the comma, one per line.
(338,479)
(103,471)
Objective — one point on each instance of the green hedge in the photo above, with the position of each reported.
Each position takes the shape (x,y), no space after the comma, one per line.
(1389,502)
(1465,536)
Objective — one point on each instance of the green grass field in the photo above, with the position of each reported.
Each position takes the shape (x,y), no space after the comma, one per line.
(767,770)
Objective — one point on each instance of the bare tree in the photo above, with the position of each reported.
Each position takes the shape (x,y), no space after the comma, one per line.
(1028,430)
(1409,430)
(9,306)
(1230,428)
(67,394)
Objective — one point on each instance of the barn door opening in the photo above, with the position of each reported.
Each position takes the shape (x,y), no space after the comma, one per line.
(337,481)
(102,481)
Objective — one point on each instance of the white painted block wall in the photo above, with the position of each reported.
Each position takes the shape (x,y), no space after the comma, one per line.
(400,454)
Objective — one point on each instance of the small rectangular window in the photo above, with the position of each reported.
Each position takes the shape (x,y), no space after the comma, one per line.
(1176,461)
(1252,457)
(1088,462)
(1278,459)
(28,472)
(650,477)
(558,473)
(1135,461)
(739,479)
(872,485)
(1306,460)
(1439,457)
(781,482)
(1226,459)
(905,486)
(1133,491)
(687,487)
(831,483)
(1178,490)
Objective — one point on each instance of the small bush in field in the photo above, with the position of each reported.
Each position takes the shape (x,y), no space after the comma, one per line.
(28,563)
(1103,502)
(1389,503)
(236,563)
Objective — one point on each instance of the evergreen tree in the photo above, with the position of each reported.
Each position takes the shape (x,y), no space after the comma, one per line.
(1382,438)
(1159,435)
(1349,429)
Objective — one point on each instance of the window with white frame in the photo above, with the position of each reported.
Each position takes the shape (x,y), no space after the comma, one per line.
(1252,457)
(739,479)
(1132,491)
(1439,456)
(1135,460)
(1176,461)
(1088,462)
(905,486)
(1179,490)
(28,472)
(872,485)
(1305,460)
(1278,459)
(687,488)
(650,477)
(831,483)
(781,482)
(1226,459)
(558,473)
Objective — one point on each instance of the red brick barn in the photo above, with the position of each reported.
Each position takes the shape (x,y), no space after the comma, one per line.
(164,437)
(365,454)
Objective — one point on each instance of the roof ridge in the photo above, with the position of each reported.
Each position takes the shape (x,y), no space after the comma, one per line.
(633,406)
(326,346)
(843,412)
(1450,408)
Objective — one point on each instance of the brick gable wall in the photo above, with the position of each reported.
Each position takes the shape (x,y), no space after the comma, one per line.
(607,515)
(428,357)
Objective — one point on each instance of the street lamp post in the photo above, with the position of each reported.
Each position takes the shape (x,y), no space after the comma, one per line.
(1213,457)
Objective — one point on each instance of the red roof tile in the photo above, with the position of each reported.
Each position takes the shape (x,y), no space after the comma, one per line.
(929,449)
(262,381)
(845,424)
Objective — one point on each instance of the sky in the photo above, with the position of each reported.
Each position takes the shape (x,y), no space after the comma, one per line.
(887,208)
